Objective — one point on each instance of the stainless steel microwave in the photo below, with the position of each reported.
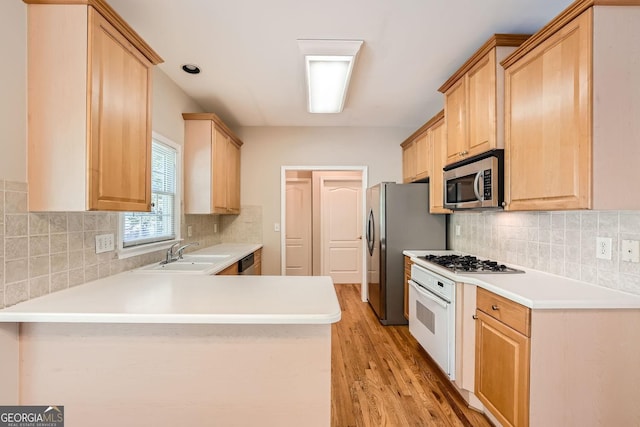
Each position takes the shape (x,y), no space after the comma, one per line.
(475,183)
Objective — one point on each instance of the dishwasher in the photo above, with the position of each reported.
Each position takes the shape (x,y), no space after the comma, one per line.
(246,265)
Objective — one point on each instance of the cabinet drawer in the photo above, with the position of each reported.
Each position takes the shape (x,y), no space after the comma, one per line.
(510,313)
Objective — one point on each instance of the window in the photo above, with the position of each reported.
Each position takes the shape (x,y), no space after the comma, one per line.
(145,231)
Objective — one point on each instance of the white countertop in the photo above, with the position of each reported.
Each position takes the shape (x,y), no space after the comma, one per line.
(536,289)
(136,297)
(154,298)
(236,252)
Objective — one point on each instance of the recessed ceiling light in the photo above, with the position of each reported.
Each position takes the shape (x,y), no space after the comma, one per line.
(191,69)
(328,66)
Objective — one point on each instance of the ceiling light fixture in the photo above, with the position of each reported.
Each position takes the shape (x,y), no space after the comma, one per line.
(191,69)
(328,67)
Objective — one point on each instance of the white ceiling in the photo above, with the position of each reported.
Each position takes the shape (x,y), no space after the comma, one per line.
(252,71)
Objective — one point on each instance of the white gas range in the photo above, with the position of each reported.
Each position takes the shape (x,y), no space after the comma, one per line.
(432,302)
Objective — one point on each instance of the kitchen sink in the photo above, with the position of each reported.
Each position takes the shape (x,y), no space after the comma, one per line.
(197,264)
(202,258)
(177,267)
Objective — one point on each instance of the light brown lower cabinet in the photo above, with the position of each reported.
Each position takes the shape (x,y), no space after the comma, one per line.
(502,370)
(556,367)
(257,262)
(407,277)
(232,270)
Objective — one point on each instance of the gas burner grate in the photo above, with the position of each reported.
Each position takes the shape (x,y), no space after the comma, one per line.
(469,264)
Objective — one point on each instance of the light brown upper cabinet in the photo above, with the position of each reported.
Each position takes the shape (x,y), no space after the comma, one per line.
(474,100)
(416,155)
(438,147)
(409,162)
(571,111)
(423,157)
(211,166)
(89,108)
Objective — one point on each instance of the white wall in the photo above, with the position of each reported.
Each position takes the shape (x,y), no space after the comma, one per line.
(13,90)
(267,149)
(169,102)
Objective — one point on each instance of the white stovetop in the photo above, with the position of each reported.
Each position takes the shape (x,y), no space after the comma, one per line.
(134,297)
(536,289)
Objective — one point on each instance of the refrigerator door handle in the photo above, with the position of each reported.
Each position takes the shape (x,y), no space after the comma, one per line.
(370,233)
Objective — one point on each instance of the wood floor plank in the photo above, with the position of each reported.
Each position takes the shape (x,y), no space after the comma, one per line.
(380,375)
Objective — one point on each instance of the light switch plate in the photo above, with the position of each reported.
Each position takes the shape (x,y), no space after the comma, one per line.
(104,243)
(603,247)
(189,230)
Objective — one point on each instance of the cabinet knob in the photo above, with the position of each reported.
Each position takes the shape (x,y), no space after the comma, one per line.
(495,307)
(464,153)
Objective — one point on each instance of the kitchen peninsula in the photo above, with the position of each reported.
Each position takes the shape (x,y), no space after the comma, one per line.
(174,349)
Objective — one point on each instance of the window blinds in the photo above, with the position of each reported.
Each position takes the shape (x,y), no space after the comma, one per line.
(159,224)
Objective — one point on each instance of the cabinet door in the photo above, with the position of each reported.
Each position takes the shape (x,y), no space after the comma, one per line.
(502,371)
(220,171)
(482,105)
(232,270)
(257,259)
(119,157)
(233,177)
(407,277)
(455,112)
(548,123)
(438,141)
(409,162)
(423,156)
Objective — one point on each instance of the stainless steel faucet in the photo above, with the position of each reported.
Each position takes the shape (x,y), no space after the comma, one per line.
(170,254)
(183,247)
(174,256)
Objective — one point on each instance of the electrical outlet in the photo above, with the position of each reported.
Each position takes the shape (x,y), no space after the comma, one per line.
(189,230)
(603,247)
(457,230)
(276,227)
(630,250)
(104,243)
(215,227)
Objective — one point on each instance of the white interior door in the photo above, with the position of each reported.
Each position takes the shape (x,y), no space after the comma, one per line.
(341,230)
(298,227)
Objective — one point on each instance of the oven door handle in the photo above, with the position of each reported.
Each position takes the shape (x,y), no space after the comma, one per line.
(476,188)
(429,295)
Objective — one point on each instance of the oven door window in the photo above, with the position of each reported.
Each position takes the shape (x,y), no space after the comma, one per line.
(460,189)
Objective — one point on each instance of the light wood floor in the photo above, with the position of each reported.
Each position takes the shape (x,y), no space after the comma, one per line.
(382,377)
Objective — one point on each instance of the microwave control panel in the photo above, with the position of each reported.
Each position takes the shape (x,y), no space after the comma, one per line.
(487,184)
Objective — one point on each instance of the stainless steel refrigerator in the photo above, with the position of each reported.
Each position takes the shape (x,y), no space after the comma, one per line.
(398,219)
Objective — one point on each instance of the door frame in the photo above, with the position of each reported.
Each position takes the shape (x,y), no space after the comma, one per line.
(283,188)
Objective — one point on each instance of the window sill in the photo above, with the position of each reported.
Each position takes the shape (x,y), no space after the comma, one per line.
(145,249)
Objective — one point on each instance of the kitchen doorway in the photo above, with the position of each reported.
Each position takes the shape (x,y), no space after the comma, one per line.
(322,222)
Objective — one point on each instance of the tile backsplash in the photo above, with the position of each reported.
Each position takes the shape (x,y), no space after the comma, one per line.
(243,228)
(44,252)
(562,243)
